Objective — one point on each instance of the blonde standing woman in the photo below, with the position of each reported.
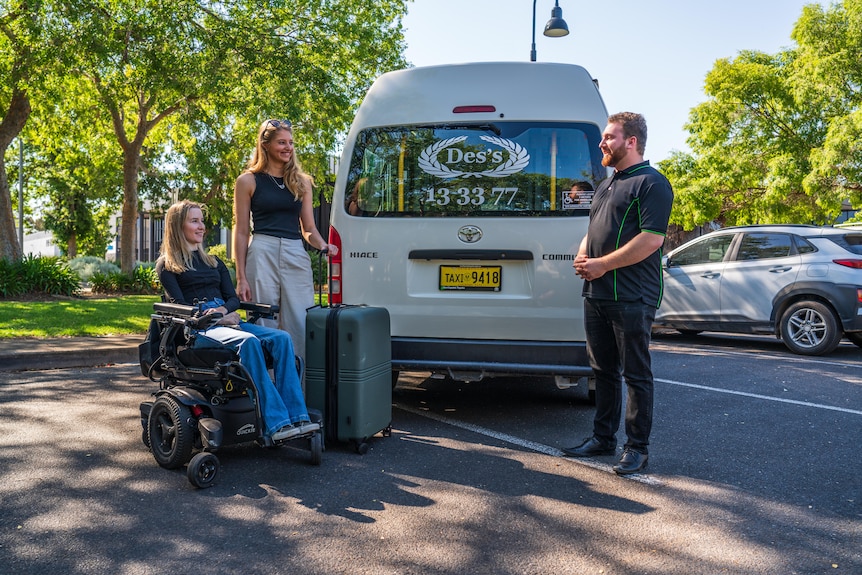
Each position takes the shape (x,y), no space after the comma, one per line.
(273,213)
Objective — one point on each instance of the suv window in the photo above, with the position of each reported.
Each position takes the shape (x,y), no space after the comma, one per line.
(761,246)
(710,250)
(803,246)
(488,169)
(850,242)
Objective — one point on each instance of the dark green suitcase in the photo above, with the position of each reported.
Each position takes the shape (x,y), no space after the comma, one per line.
(348,371)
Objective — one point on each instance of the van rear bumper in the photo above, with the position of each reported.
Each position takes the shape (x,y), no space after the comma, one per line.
(490,357)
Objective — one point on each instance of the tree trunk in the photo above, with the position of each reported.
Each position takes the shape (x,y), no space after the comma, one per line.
(130,210)
(9,248)
(72,246)
(10,127)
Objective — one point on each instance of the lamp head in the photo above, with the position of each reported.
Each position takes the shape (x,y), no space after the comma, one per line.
(556,26)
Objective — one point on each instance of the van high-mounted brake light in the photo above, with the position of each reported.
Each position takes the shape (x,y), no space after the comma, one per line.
(471,109)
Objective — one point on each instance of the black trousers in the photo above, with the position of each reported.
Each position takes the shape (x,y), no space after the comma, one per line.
(618,338)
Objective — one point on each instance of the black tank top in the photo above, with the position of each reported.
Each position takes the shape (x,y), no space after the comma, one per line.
(274,211)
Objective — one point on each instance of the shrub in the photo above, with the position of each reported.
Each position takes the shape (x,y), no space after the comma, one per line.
(319,267)
(9,284)
(86,266)
(220,251)
(143,280)
(38,274)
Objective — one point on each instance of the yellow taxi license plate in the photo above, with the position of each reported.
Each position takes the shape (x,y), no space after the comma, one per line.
(471,278)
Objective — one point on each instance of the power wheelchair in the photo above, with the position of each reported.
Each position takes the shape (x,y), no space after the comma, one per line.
(203,402)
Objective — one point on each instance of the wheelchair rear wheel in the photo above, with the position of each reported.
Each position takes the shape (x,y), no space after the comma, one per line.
(170,432)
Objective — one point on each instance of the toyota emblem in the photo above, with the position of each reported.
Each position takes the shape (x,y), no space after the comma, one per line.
(469,234)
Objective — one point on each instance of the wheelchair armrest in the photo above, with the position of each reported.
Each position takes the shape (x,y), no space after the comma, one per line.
(204,322)
(175,309)
(255,311)
(259,308)
(185,315)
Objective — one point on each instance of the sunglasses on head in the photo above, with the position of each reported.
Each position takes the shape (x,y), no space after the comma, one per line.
(279,124)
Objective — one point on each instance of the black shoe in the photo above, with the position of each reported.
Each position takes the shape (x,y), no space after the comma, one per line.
(591,447)
(631,462)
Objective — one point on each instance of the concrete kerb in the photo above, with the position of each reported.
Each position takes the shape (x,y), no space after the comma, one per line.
(20,354)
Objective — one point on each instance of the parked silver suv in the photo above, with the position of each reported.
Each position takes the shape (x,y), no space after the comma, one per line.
(801,283)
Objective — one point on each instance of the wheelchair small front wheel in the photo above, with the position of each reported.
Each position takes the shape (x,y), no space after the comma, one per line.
(203,470)
(315,444)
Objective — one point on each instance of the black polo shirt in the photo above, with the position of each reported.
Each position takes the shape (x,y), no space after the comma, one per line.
(632,201)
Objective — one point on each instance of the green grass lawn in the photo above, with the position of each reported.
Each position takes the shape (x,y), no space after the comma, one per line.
(76,317)
(117,315)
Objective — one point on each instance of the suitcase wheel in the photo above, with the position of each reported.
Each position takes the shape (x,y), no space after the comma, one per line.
(361,446)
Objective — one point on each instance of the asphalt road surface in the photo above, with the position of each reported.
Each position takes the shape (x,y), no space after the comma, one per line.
(754,469)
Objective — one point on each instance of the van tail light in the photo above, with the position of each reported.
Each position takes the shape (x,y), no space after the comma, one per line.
(856,264)
(335,268)
(859,295)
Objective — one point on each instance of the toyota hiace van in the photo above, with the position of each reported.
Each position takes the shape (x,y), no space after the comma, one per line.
(455,207)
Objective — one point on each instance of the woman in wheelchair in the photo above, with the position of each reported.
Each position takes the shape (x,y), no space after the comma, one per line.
(190,276)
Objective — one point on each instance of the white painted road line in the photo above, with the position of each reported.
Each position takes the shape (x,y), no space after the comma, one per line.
(527,444)
(756,354)
(758,396)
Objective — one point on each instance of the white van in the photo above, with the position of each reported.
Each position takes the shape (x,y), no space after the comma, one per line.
(453,208)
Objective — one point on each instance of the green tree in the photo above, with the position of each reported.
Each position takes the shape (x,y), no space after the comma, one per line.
(776,141)
(76,166)
(27,61)
(750,144)
(182,85)
(694,204)
(828,76)
(179,59)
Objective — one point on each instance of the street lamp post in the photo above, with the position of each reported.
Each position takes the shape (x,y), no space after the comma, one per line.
(555,28)
(21,193)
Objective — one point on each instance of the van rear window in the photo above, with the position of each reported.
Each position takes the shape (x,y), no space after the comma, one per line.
(485,169)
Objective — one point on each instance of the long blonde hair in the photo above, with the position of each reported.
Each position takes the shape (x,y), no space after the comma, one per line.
(293,175)
(175,252)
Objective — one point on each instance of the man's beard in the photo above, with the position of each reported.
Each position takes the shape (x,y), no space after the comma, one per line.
(612,159)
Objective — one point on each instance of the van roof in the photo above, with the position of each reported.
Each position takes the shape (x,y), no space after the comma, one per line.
(530,91)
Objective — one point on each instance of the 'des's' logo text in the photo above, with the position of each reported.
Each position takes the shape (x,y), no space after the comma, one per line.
(430,159)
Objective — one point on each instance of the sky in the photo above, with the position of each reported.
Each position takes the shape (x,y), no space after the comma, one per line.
(649,57)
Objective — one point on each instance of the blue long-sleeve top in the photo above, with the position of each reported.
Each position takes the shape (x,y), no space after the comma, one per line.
(202,283)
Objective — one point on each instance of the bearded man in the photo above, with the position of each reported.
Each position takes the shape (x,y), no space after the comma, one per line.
(620,262)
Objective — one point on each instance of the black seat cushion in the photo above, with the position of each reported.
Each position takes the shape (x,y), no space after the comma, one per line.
(206,357)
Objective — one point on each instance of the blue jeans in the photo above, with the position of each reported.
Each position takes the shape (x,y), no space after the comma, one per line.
(618,338)
(281,402)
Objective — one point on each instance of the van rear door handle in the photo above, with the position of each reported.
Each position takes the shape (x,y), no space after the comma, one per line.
(779,269)
(710,275)
(468,254)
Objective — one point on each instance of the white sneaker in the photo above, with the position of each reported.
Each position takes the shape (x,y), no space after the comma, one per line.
(286,433)
(307,427)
